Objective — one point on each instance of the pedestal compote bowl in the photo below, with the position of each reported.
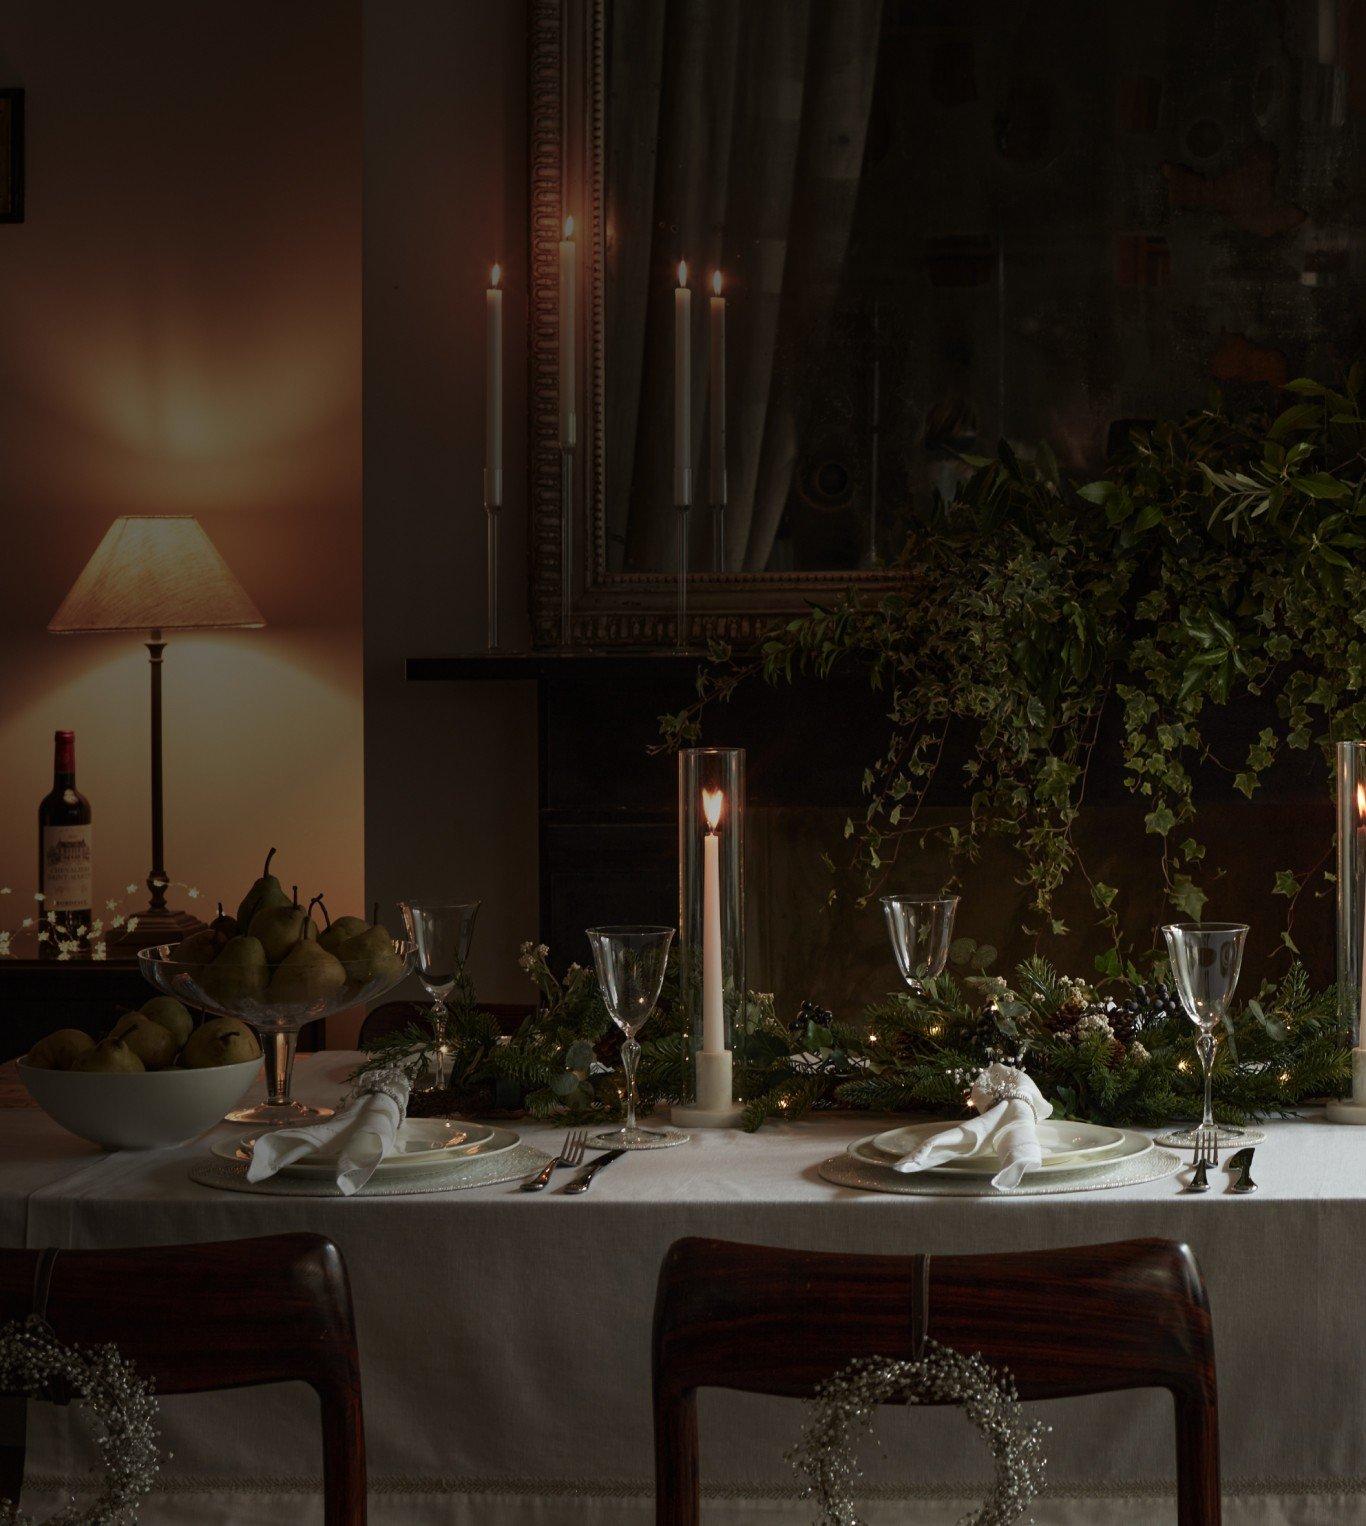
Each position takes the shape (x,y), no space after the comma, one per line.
(276,1022)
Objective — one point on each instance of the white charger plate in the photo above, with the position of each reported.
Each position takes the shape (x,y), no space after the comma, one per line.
(1129,1145)
(1061,1139)
(423,1143)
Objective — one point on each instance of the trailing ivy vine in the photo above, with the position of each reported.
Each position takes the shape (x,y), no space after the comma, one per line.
(1217,559)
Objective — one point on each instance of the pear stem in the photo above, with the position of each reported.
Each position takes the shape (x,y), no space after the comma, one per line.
(265,870)
(327,915)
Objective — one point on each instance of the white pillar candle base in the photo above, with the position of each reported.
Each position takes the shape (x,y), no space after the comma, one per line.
(1353,1110)
(715,1106)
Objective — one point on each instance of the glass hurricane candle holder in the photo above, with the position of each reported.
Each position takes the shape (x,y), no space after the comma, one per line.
(711,923)
(1351,920)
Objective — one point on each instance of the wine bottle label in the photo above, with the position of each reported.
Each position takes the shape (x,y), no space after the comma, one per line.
(67,880)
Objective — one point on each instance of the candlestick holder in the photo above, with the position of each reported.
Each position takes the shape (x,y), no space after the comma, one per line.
(711,924)
(566,539)
(681,613)
(1351,919)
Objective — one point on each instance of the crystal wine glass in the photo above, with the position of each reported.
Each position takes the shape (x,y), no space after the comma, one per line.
(441,933)
(1206,960)
(630,962)
(920,927)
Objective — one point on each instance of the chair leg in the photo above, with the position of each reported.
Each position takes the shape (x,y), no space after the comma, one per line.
(1197,1463)
(678,1500)
(344,1486)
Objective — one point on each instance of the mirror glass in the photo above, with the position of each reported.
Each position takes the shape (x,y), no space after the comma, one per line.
(944,222)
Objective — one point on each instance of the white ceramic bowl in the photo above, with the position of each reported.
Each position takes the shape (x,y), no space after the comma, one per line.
(142,1111)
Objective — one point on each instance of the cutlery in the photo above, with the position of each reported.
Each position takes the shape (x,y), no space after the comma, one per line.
(1206,1155)
(1241,1162)
(581,1181)
(571,1154)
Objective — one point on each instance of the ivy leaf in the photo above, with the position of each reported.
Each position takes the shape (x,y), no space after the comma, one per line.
(1286,884)
(1188,897)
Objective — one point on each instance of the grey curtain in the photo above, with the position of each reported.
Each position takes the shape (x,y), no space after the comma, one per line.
(735,138)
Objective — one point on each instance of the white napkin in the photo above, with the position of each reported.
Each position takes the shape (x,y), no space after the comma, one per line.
(1010,1108)
(359,1135)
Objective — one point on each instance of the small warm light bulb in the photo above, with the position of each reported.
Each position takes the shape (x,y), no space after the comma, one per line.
(569,227)
(682,272)
(496,276)
(712,801)
(716,282)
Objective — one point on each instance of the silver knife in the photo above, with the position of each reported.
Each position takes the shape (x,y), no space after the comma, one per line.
(1241,1162)
(581,1181)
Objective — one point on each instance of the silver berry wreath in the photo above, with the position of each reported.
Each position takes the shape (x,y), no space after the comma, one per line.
(845,1405)
(108,1388)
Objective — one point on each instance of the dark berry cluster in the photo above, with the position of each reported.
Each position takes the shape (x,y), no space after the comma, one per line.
(1148,1004)
(811,1012)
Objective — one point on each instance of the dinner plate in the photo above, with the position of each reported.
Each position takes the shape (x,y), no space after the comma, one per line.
(423,1144)
(1060,1139)
(1129,1145)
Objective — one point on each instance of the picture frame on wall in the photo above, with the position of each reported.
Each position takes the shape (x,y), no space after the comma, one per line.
(11,156)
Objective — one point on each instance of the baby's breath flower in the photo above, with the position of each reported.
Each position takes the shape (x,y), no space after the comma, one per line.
(130,888)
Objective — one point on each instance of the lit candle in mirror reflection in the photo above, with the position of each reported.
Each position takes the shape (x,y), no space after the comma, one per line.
(713,1006)
(682,388)
(568,347)
(716,355)
(493,390)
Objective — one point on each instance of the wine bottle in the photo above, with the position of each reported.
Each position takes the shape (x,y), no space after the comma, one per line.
(64,866)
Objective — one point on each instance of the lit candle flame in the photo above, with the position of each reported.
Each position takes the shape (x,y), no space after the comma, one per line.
(1361,802)
(682,272)
(569,227)
(716,282)
(712,801)
(496,275)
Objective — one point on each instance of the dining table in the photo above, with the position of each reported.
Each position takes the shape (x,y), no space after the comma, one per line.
(505,1336)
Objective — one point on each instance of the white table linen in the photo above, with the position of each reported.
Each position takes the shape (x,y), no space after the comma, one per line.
(505,1337)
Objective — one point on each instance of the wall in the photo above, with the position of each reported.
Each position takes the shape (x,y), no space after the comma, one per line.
(450,769)
(181,321)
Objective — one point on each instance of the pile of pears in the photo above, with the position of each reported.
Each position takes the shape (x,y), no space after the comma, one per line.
(159,1036)
(272,953)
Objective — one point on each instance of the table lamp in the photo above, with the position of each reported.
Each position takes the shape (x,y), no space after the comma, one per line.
(156,573)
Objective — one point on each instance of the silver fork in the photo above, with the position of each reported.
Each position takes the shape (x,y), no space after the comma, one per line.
(1206,1155)
(571,1154)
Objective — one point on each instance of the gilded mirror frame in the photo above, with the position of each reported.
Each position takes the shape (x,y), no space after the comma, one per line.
(567,156)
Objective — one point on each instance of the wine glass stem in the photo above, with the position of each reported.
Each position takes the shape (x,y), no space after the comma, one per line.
(630,1056)
(278,1052)
(439,1015)
(1205,1045)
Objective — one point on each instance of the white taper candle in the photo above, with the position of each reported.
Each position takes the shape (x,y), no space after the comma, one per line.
(682,388)
(569,283)
(493,391)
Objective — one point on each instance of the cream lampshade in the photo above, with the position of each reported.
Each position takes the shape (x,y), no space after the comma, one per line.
(155,573)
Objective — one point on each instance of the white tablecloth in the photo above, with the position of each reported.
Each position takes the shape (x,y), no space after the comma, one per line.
(505,1338)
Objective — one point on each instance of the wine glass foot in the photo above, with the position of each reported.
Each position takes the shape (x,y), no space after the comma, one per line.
(628,1139)
(273,1114)
(1226,1136)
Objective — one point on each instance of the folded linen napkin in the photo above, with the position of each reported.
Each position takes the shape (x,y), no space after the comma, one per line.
(1010,1108)
(358,1135)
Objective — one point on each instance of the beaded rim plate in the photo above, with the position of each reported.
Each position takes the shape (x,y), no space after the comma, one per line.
(1130,1146)
(1060,1139)
(493,1142)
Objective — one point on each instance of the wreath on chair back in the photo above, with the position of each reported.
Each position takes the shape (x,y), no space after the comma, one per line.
(33,1362)
(845,1405)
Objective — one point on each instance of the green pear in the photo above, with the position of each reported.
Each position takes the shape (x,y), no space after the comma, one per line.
(228,926)
(174,1017)
(220,1041)
(60,1050)
(279,928)
(267,891)
(238,974)
(341,931)
(307,974)
(370,956)
(154,1045)
(113,1057)
(202,947)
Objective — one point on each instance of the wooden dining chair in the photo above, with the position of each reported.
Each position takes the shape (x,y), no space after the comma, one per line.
(1084,1320)
(192,1318)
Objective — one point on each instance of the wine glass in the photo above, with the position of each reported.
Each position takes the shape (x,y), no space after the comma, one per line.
(1206,959)
(630,962)
(920,927)
(441,932)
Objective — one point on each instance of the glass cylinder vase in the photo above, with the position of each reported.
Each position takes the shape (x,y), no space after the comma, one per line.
(711,926)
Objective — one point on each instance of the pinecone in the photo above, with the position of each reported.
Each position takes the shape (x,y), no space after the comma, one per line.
(1147,1005)
(810,1012)
(985,1040)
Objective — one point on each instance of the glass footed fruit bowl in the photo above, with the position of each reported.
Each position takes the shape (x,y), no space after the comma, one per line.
(277,1001)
